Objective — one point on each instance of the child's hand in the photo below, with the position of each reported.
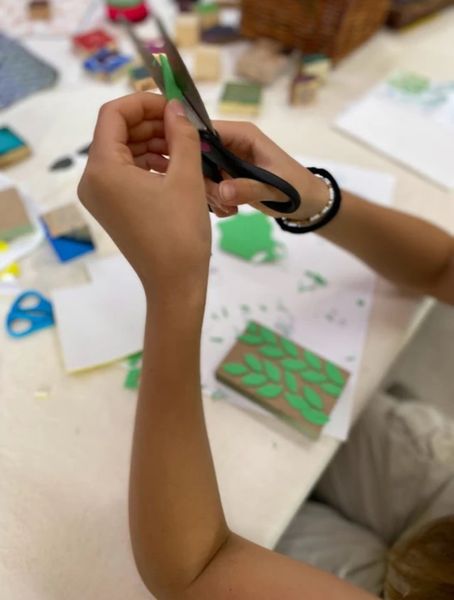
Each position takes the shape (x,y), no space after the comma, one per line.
(249,143)
(159,222)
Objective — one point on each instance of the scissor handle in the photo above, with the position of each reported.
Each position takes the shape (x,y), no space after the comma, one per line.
(33,318)
(217,158)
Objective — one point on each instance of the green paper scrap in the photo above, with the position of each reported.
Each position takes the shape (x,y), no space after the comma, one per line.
(132,380)
(249,236)
(173,92)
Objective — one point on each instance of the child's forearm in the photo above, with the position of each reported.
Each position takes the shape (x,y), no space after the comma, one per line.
(402,248)
(176,518)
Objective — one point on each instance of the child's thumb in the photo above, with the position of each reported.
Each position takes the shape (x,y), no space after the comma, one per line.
(183,140)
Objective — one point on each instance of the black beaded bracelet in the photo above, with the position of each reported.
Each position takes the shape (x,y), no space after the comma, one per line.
(322,218)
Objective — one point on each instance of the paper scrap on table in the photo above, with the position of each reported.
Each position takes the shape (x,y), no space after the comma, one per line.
(103,321)
(410,119)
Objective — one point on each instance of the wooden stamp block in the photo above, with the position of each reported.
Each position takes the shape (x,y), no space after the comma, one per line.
(241,98)
(207,63)
(304,89)
(39,10)
(292,382)
(107,65)
(187,30)
(14,220)
(67,221)
(317,65)
(91,42)
(140,79)
(208,13)
(12,148)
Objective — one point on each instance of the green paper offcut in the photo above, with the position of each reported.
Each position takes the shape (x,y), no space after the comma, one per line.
(173,92)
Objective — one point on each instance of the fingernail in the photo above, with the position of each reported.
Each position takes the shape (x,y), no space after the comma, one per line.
(228,191)
(177,108)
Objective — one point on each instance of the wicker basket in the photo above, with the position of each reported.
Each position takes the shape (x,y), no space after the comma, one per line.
(334,27)
(404,13)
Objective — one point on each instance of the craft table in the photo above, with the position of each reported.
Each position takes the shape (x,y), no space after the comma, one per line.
(65,440)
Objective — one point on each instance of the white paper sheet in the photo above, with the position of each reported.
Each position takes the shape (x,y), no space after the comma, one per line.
(416,130)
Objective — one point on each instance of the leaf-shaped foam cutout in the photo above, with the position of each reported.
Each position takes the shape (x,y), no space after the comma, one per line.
(289,348)
(317,417)
(313,398)
(270,391)
(267,335)
(253,362)
(254,379)
(292,364)
(313,376)
(235,369)
(312,360)
(250,340)
(273,372)
(331,389)
(291,382)
(271,352)
(252,328)
(334,374)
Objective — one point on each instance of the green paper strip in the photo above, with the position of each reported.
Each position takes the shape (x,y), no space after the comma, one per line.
(173,92)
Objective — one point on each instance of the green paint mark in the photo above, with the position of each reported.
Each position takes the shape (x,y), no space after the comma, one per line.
(312,360)
(218,394)
(313,376)
(235,369)
(293,364)
(289,348)
(331,389)
(273,372)
(334,374)
(216,340)
(350,358)
(132,380)
(245,308)
(249,236)
(329,317)
(291,382)
(410,83)
(271,352)
(215,316)
(253,362)
(270,391)
(318,279)
(250,340)
(313,398)
(254,379)
(263,308)
(225,312)
(360,302)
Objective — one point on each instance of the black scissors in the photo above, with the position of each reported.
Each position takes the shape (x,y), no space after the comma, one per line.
(216,157)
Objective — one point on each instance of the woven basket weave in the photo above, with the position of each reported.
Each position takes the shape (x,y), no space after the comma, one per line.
(334,27)
(404,13)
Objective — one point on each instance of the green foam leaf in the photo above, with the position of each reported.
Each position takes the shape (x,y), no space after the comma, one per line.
(312,360)
(273,372)
(331,389)
(270,391)
(291,381)
(252,327)
(254,379)
(313,376)
(290,348)
(253,362)
(234,369)
(317,417)
(267,335)
(293,365)
(250,340)
(313,398)
(271,352)
(334,374)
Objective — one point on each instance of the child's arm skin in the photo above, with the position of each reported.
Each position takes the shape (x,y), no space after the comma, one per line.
(182,544)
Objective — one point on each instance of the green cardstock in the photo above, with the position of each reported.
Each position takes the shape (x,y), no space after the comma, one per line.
(249,236)
(293,382)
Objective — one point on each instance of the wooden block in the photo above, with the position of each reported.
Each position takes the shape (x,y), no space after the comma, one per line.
(304,89)
(67,221)
(107,65)
(12,148)
(14,220)
(241,98)
(91,42)
(318,65)
(187,30)
(292,382)
(140,79)
(207,63)
(39,10)
(208,13)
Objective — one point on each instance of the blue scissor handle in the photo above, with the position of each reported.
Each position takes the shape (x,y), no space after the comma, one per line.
(31,308)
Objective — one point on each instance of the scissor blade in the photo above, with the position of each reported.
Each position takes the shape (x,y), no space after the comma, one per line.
(149,60)
(183,78)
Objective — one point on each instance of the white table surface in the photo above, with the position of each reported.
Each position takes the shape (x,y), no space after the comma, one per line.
(64,458)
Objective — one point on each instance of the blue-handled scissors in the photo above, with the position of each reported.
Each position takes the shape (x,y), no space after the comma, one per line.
(30,312)
(216,157)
